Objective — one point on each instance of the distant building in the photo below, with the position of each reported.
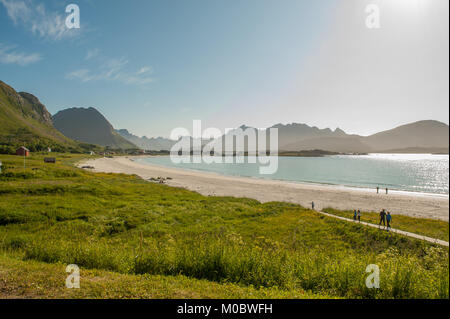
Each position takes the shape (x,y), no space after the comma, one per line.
(23,151)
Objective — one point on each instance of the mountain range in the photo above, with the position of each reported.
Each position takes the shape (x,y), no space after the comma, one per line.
(427,136)
(145,143)
(24,120)
(422,136)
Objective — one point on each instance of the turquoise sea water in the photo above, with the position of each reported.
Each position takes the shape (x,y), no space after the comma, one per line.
(424,173)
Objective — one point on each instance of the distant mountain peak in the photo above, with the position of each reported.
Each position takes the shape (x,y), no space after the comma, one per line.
(123,130)
(338,131)
(244,127)
(152,144)
(88,125)
(421,134)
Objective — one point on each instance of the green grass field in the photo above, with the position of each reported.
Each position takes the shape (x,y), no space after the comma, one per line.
(423,226)
(135,239)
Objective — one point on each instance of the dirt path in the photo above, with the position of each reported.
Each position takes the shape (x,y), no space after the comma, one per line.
(393,230)
(262,190)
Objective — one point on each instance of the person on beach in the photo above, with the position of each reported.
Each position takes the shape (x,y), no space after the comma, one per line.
(378,189)
(359,216)
(312,205)
(388,220)
(382,218)
(386,190)
(355,215)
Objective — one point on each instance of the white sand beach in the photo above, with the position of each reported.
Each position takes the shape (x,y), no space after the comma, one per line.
(263,190)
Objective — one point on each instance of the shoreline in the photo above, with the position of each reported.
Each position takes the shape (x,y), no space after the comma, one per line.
(266,190)
(306,183)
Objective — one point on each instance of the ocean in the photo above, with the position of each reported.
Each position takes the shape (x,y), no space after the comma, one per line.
(422,173)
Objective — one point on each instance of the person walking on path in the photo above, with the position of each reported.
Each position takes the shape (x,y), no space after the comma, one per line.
(388,220)
(359,216)
(354,215)
(382,218)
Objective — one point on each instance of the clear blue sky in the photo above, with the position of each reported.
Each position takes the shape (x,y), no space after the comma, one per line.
(153,65)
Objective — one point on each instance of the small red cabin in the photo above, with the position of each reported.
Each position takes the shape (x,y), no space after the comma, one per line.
(23,151)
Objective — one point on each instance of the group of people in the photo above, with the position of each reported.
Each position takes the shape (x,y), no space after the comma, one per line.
(378,190)
(385,218)
(357,215)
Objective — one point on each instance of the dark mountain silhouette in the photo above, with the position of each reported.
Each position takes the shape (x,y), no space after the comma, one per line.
(90,126)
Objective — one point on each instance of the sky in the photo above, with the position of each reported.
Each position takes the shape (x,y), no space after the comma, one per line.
(153,65)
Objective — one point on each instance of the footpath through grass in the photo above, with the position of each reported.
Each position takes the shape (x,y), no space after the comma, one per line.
(177,242)
(422,226)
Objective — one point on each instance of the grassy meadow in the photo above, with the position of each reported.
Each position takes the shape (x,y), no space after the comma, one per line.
(423,226)
(135,239)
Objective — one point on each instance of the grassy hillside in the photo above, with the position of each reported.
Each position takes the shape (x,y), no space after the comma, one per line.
(34,279)
(25,121)
(126,233)
(422,226)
